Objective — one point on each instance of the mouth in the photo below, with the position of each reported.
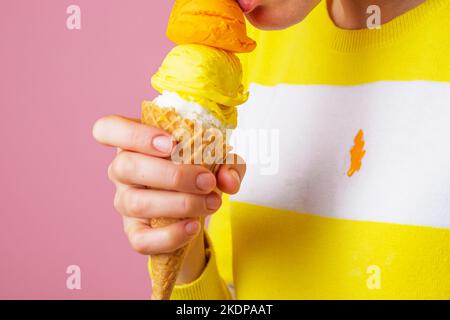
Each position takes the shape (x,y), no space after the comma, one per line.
(248,5)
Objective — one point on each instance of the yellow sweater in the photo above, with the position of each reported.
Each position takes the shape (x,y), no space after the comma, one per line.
(347,193)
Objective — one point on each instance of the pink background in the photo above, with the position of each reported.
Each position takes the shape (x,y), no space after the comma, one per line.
(56,201)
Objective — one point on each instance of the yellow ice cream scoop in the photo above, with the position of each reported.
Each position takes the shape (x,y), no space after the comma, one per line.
(210,76)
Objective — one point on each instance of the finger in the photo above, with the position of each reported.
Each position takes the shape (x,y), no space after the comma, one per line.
(230,174)
(137,169)
(145,203)
(149,241)
(130,135)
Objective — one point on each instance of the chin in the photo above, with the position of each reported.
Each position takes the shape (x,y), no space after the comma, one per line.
(279,16)
(267,20)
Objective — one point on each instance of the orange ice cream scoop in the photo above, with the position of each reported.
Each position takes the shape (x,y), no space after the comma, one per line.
(215,23)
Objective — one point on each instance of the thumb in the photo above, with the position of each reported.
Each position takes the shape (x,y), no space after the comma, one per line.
(231,174)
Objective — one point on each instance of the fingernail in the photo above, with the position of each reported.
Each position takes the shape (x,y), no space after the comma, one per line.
(192,227)
(205,181)
(163,144)
(213,201)
(235,175)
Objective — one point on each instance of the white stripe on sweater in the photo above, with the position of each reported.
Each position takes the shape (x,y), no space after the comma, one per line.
(405,173)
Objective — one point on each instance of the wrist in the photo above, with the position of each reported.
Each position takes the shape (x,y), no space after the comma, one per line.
(195,260)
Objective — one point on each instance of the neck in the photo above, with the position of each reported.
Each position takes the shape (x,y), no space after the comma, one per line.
(351,14)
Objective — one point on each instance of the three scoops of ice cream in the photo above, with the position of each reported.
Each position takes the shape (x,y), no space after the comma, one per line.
(200,85)
(202,77)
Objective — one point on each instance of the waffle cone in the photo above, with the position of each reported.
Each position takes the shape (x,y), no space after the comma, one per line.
(198,140)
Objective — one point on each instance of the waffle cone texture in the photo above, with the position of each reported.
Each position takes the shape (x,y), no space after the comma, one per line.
(196,144)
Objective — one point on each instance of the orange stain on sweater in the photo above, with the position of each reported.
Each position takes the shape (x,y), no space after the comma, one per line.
(357,153)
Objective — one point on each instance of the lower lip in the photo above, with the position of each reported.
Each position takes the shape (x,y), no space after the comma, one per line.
(247,5)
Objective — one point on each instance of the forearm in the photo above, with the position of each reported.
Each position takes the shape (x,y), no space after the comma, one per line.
(194,262)
(201,281)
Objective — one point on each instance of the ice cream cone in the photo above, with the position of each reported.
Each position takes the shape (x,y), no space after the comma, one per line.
(198,139)
(166,266)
